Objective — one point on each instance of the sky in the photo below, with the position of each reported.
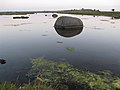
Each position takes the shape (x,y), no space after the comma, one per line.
(58,4)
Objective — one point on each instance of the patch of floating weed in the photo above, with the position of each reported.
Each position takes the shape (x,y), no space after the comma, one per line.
(64,76)
(70,48)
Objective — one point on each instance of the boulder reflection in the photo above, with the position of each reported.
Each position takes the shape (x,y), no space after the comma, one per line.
(69,32)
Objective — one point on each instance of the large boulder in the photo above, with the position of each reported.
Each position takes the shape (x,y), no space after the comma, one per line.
(68,22)
(68,26)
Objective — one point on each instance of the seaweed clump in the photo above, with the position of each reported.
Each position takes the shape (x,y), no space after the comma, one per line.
(63,76)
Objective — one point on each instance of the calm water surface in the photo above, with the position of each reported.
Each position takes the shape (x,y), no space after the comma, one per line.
(97,47)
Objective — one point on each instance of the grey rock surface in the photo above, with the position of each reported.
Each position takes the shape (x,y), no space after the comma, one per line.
(68,22)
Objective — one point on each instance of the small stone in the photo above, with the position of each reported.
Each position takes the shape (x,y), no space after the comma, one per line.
(54,15)
(2,61)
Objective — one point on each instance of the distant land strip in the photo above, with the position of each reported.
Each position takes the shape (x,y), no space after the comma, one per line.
(114,14)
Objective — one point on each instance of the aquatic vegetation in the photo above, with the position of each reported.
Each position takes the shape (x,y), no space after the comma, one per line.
(10,86)
(70,48)
(116,84)
(63,76)
(58,75)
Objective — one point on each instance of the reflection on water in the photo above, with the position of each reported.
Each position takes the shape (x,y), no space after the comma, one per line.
(97,47)
(18,24)
(69,32)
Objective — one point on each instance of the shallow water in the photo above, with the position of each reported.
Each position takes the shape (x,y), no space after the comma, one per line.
(97,47)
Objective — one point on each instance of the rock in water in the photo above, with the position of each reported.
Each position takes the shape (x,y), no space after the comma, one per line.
(68,26)
(21,17)
(68,22)
(2,61)
(54,15)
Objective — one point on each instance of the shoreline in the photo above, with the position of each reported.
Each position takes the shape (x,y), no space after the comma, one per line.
(115,15)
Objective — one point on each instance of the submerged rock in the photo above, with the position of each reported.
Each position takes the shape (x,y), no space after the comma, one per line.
(54,15)
(68,22)
(2,61)
(21,17)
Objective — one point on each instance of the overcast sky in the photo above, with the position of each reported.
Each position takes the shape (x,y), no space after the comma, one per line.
(58,4)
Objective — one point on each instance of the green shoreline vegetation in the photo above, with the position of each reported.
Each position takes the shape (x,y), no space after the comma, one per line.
(112,14)
(22,12)
(115,15)
(16,13)
(60,75)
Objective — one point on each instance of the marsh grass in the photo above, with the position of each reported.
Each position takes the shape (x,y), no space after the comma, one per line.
(115,15)
(16,13)
(23,12)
